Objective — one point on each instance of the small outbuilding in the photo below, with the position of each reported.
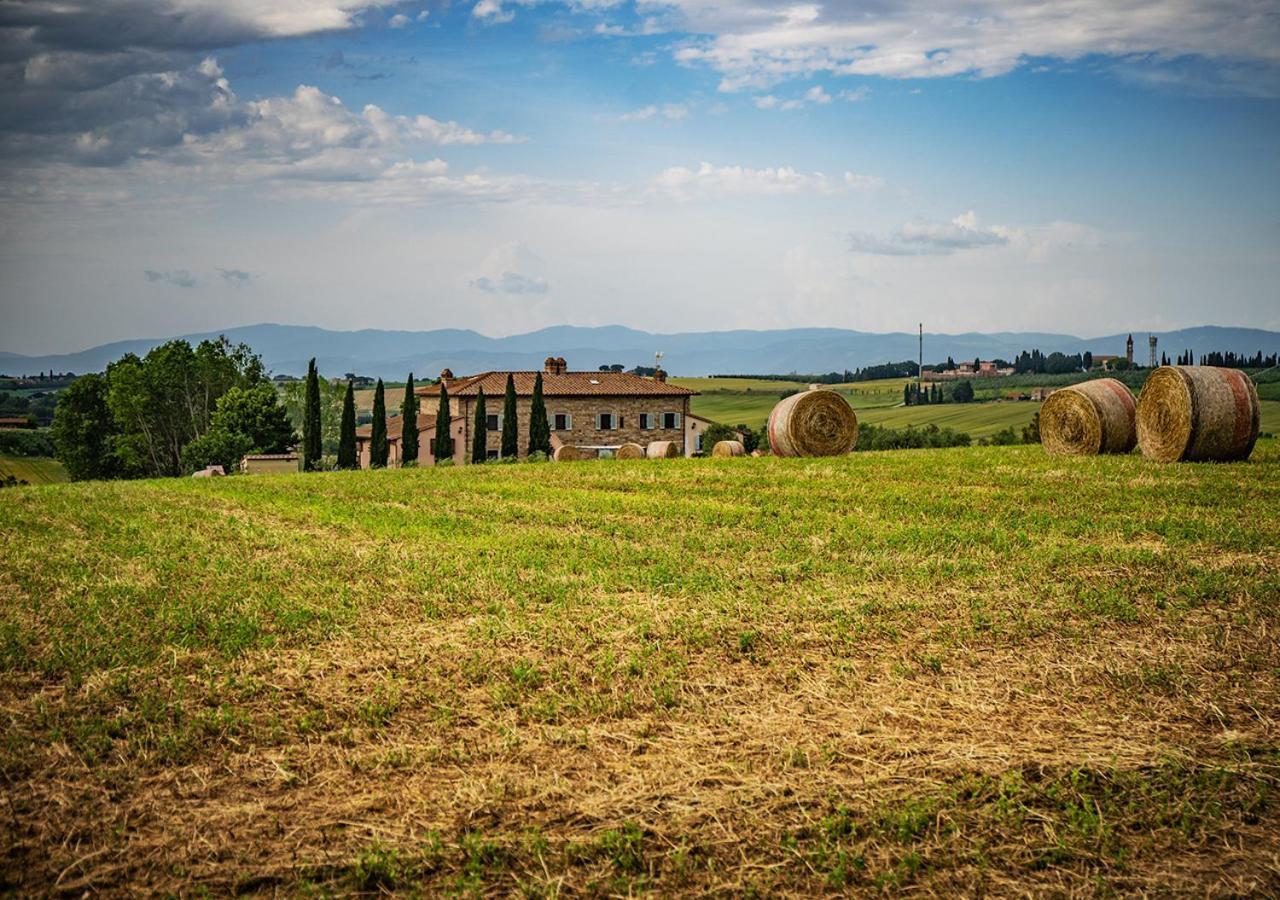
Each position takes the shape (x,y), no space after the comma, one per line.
(270,464)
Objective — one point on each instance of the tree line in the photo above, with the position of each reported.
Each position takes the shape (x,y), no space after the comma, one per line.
(177,409)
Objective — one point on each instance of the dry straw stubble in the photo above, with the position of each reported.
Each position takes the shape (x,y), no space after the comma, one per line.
(1197,413)
(813,423)
(1089,418)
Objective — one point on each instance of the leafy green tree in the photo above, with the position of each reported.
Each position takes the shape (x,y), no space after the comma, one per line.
(962,392)
(442,445)
(312,441)
(510,424)
(217,447)
(83,430)
(378,448)
(165,400)
(246,420)
(347,440)
(1087,360)
(715,433)
(1031,431)
(409,425)
(539,427)
(479,432)
(256,413)
(750,438)
(294,396)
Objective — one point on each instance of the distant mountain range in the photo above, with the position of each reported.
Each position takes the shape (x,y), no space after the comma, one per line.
(391,354)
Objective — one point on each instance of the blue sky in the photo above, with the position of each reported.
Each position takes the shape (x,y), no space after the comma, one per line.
(186,165)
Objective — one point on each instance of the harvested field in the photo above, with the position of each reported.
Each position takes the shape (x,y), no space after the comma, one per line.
(1025,674)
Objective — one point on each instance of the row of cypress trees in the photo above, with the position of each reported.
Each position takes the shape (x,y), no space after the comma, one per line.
(441,445)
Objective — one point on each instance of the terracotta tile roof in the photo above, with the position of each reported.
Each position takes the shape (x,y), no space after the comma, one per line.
(570,384)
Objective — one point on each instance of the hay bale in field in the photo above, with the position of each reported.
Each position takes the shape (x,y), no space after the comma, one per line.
(756,453)
(629,451)
(567,453)
(728,448)
(1197,413)
(813,423)
(1089,418)
(662,450)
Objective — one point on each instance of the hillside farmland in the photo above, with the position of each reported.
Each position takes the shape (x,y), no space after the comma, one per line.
(964,671)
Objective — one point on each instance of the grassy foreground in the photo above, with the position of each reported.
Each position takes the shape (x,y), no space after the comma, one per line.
(959,671)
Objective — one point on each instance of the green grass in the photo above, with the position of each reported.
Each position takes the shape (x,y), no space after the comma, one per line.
(727,400)
(33,469)
(979,670)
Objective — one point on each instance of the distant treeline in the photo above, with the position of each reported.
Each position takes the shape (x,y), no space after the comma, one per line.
(905,369)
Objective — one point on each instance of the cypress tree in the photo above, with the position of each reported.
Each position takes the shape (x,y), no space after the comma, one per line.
(347,434)
(378,449)
(409,426)
(510,425)
(480,433)
(539,429)
(311,444)
(440,446)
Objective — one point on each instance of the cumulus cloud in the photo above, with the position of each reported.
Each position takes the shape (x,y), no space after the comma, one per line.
(673,112)
(177,277)
(399,20)
(758,44)
(491,12)
(964,232)
(235,277)
(511,269)
(709,179)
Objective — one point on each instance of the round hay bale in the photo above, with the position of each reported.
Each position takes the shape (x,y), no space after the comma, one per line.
(629,451)
(756,453)
(728,448)
(1089,418)
(662,450)
(567,453)
(1197,413)
(813,423)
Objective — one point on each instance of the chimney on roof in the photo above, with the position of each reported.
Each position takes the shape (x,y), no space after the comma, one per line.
(555,365)
(446,375)
(660,375)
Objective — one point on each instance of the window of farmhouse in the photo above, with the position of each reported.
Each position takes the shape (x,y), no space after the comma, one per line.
(562,422)
(605,421)
(646,421)
(671,420)
(491,422)
(491,454)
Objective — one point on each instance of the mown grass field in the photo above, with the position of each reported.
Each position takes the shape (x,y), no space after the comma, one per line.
(32,469)
(727,400)
(946,672)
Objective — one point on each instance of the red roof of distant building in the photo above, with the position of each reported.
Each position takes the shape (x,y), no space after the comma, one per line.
(569,384)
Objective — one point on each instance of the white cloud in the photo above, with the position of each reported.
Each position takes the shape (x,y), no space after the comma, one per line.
(964,232)
(757,44)
(708,179)
(511,269)
(672,111)
(491,12)
(399,20)
(817,95)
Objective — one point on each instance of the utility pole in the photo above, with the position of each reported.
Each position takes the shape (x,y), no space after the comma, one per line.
(920,362)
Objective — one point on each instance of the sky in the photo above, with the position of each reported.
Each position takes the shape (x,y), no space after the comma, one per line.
(1085,166)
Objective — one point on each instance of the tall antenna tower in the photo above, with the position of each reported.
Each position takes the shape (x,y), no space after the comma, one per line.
(1151,341)
(920,362)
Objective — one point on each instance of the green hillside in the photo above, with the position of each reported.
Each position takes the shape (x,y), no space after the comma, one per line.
(32,469)
(950,672)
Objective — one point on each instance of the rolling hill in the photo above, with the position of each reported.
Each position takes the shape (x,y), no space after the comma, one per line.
(390,354)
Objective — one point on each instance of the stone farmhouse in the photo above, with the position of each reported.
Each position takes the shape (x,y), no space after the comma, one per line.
(591,410)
